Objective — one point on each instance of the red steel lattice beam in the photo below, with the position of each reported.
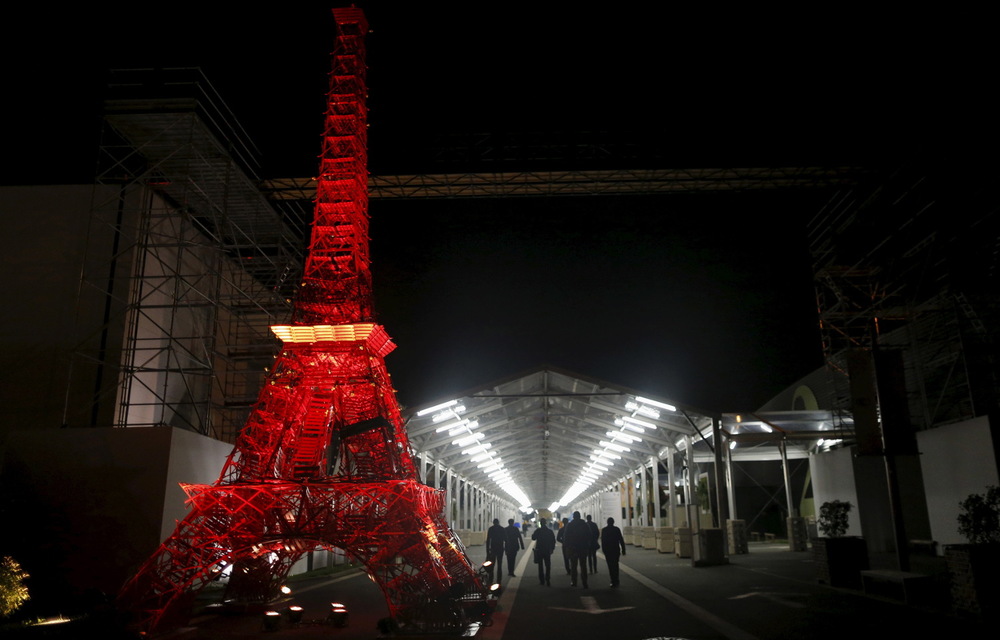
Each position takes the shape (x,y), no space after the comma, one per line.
(324,459)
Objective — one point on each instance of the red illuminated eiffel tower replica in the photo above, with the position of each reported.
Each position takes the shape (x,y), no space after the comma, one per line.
(323,460)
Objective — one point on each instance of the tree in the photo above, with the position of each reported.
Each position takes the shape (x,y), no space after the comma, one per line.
(13,593)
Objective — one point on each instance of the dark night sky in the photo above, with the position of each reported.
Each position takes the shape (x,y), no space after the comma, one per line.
(705,299)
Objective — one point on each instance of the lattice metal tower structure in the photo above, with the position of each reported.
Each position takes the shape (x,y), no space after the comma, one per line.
(324,458)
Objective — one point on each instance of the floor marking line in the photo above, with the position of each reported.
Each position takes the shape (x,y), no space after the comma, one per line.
(731,632)
(506,604)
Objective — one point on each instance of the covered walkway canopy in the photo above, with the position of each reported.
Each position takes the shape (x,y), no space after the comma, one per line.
(548,439)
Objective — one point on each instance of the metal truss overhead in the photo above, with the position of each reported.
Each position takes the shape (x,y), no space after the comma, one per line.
(510,184)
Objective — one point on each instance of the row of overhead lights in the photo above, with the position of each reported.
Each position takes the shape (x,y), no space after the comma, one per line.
(465,434)
(630,428)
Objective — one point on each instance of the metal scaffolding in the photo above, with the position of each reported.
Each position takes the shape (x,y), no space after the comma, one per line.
(910,262)
(187,264)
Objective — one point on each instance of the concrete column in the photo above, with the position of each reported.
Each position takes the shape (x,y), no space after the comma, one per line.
(671,471)
(729,483)
(449,498)
(721,506)
(656,491)
(792,511)
(689,480)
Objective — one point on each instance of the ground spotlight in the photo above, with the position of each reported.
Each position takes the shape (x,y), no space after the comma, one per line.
(271,621)
(338,615)
(294,614)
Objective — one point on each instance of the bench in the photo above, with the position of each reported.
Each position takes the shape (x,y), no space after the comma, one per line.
(910,588)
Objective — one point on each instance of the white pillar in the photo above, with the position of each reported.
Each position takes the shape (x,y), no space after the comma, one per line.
(449,498)
(671,471)
(656,491)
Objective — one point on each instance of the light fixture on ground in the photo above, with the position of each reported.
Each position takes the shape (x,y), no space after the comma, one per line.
(338,615)
(294,613)
(271,621)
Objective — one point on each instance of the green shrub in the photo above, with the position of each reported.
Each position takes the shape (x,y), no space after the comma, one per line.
(833,518)
(979,520)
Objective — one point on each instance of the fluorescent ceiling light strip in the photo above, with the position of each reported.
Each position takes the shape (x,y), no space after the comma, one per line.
(437,407)
(614,447)
(477,449)
(461,442)
(661,405)
(642,423)
(450,425)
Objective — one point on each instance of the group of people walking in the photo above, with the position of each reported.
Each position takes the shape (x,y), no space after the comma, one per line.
(500,542)
(580,541)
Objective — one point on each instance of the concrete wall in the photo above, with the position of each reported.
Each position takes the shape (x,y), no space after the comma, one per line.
(833,479)
(44,244)
(83,508)
(956,460)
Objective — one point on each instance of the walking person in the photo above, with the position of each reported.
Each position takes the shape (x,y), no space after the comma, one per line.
(545,544)
(512,542)
(592,556)
(495,536)
(612,542)
(578,542)
(562,543)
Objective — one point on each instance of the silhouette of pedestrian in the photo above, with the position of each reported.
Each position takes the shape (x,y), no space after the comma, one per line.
(494,548)
(545,544)
(512,542)
(577,540)
(562,543)
(612,543)
(592,556)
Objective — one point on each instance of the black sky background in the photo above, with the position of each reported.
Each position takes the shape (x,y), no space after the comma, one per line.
(705,299)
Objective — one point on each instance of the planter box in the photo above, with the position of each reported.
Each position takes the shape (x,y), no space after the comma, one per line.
(648,538)
(665,540)
(974,570)
(840,561)
(682,542)
(711,548)
(737,536)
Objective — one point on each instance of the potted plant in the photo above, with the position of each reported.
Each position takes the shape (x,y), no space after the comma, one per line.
(974,568)
(839,558)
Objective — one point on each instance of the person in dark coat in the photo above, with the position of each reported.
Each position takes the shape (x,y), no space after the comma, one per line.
(495,537)
(562,543)
(545,544)
(612,543)
(592,556)
(578,541)
(512,542)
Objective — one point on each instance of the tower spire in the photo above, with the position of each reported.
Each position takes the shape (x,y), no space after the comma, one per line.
(324,458)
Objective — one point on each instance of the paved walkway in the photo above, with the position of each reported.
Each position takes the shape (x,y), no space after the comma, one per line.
(770,593)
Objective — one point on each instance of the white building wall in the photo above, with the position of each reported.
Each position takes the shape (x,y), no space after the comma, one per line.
(956,460)
(833,479)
